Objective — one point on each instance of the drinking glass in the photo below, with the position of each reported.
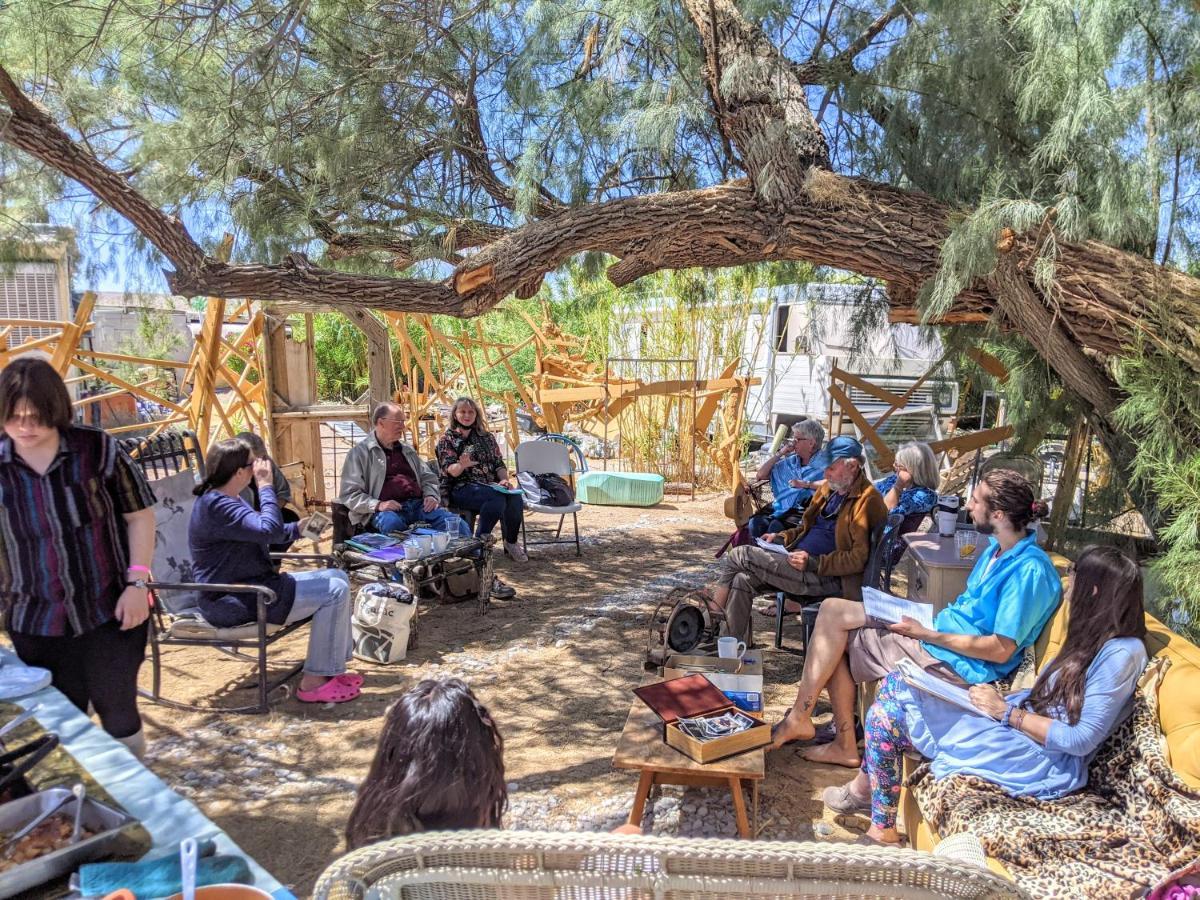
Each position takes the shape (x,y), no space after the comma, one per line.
(966,542)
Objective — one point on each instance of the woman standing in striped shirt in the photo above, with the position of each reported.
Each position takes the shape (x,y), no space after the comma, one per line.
(76,541)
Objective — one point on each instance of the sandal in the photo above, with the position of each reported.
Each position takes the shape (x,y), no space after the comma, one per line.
(332,691)
(790,608)
(351,678)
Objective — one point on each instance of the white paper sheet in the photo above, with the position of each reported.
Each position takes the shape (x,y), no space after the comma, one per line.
(774,548)
(931,684)
(887,608)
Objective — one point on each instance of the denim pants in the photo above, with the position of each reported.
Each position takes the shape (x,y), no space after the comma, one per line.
(492,507)
(413,511)
(324,594)
(766,524)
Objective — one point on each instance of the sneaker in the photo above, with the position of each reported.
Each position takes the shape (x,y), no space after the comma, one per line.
(502,591)
(516,551)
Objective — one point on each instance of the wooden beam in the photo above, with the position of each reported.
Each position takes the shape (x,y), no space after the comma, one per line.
(965,443)
(60,360)
(882,450)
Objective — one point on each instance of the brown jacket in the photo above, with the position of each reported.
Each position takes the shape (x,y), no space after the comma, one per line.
(863,510)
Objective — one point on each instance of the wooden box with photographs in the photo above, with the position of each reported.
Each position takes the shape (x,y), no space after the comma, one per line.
(701,722)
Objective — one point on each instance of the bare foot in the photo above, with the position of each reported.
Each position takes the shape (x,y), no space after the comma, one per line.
(312,682)
(885,837)
(833,755)
(791,730)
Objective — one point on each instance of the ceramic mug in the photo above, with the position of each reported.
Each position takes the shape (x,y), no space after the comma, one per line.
(441,541)
(412,550)
(730,648)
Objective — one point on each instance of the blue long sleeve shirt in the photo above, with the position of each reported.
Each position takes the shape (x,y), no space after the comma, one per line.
(230,545)
(967,743)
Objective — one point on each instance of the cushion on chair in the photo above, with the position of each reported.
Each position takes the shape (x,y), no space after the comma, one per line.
(619,488)
(191,625)
(553,510)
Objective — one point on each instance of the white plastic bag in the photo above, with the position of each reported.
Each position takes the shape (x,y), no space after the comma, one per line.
(381,621)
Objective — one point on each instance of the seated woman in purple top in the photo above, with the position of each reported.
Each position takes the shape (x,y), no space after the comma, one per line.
(1034,743)
(230,545)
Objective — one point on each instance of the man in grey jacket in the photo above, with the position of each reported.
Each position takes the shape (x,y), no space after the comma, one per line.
(384,483)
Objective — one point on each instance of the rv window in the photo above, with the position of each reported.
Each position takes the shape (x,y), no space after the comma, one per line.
(781,328)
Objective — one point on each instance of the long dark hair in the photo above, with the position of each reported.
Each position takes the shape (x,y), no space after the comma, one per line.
(222,462)
(439,765)
(1011,493)
(37,383)
(1105,603)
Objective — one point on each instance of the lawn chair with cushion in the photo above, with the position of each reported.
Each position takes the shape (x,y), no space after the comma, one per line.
(486,864)
(549,458)
(176,619)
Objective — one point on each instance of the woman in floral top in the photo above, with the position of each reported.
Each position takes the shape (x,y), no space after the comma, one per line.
(472,469)
(911,488)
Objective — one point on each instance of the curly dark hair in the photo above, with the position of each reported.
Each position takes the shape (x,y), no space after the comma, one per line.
(1011,493)
(439,765)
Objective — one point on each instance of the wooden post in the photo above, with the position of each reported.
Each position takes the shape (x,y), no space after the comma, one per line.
(65,351)
(1068,479)
(379,355)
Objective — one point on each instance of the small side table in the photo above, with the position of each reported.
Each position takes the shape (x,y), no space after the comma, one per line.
(642,747)
(936,573)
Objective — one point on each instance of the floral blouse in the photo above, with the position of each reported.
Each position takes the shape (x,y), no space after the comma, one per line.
(915,499)
(484,450)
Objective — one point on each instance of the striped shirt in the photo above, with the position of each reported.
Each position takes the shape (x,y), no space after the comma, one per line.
(64,548)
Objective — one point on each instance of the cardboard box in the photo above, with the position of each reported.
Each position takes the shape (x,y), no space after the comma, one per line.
(740,680)
(695,697)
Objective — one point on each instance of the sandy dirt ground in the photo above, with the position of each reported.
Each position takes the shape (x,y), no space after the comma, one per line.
(556,669)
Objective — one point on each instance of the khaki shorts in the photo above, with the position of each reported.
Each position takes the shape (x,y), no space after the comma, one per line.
(874,653)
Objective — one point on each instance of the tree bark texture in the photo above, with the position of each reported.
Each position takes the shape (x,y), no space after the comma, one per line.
(791,208)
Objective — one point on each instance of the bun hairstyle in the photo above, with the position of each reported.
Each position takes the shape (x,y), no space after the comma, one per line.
(1010,492)
(222,462)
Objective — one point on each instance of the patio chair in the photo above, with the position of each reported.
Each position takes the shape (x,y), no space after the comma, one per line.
(573,866)
(176,619)
(544,458)
(877,574)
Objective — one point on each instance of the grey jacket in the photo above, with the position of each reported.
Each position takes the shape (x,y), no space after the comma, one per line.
(363,473)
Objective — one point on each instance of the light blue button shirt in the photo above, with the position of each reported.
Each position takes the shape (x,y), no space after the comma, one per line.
(1014,598)
(790,468)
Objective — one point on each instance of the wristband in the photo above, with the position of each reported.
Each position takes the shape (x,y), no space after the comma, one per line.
(1006,720)
(145,569)
(1019,719)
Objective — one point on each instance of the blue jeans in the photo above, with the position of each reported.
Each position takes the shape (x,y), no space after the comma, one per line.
(324,594)
(413,511)
(492,507)
(767,524)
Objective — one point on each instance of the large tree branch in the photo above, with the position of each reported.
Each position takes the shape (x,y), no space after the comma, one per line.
(1104,300)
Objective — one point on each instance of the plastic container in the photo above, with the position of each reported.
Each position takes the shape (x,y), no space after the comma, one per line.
(947,514)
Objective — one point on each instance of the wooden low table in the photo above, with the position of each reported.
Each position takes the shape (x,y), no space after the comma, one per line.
(642,747)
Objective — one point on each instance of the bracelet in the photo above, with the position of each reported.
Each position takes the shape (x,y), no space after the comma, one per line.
(145,569)
(1008,711)
(1020,718)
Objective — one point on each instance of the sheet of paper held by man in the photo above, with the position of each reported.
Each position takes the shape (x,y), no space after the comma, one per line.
(886,608)
(774,548)
(931,684)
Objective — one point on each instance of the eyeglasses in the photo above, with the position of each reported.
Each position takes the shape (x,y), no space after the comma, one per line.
(1071,569)
(393,421)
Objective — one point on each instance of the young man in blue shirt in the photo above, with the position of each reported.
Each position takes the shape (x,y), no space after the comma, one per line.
(1011,594)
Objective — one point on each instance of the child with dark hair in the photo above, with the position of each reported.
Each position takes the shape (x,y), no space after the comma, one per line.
(439,766)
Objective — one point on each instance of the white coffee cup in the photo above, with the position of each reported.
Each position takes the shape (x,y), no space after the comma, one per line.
(441,541)
(730,648)
(947,521)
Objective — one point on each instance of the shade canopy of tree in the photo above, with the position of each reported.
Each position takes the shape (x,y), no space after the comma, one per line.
(1029,165)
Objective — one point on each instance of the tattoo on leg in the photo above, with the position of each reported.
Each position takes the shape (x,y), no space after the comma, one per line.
(807,705)
(843,727)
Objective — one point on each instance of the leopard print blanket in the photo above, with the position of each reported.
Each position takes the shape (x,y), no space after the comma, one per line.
(1133,824)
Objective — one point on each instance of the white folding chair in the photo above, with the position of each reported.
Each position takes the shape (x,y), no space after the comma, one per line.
(544,458)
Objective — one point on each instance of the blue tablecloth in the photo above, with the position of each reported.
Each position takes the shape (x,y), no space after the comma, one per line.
(168,817)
